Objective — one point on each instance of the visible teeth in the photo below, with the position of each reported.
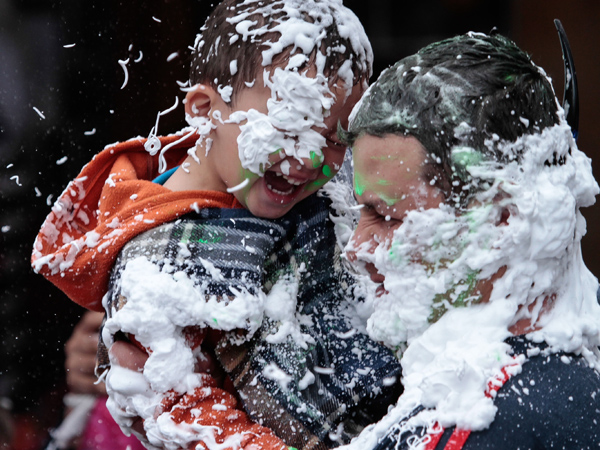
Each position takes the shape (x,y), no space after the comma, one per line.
(278,174)
(289,191)
(292,181)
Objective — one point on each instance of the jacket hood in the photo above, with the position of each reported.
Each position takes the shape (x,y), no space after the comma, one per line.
(111,201)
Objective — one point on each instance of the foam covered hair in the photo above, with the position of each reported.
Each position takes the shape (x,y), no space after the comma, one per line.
(459,97)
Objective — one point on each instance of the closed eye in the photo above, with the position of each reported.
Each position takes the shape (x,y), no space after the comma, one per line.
(374,212)
(368,209)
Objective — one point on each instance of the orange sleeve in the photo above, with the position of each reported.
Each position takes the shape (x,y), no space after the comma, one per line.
(214,407)
(111,201)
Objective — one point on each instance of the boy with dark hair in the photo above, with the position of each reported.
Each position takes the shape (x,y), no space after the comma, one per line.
(196,268)
(471,185)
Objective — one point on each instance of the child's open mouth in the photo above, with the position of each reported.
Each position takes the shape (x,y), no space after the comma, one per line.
(282,185)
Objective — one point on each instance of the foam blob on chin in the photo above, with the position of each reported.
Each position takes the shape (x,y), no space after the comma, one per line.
(429,255)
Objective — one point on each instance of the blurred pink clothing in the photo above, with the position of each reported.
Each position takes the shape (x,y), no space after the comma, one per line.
(103,433)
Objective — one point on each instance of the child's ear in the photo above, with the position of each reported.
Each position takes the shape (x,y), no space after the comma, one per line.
(199,101)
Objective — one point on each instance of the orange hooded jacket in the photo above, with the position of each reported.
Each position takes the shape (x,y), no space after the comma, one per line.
(111,201)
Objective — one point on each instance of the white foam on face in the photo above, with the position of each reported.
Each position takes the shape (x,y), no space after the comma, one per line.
(434,254)
(298,103)
(345,213)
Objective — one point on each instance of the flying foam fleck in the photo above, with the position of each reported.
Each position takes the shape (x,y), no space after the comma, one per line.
(240,186)
(40,113)
(123,64)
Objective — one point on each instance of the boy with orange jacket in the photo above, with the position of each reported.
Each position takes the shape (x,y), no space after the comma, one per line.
(231,255)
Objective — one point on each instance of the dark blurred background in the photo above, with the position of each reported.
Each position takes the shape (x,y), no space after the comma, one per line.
(78,91)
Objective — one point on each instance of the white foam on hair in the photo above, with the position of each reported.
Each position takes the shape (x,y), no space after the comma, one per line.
(286,18)
(297,104)
(293,108)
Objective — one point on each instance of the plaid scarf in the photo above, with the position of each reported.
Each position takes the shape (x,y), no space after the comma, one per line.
(335,385)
